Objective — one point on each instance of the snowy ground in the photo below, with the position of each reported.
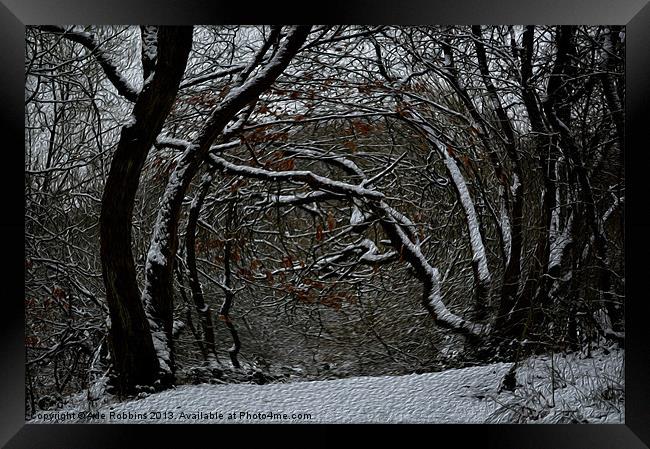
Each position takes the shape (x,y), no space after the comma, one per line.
(585,390)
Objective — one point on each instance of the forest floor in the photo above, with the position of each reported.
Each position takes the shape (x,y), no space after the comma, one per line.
(567,388)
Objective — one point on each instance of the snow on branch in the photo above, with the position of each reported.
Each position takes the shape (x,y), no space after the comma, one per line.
(364,252)
(183,145)
(476,240)
(307,177)
(297,199)
(110,68)
(381,174)
(432,296)
(212,76)
(369,256)
(329,158)
(238,97)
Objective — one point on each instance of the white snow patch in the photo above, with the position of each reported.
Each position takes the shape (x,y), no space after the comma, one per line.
(515,184)
(357,218)
(504,223)
(468,395)
(130,121)
(155,255)
(566,388)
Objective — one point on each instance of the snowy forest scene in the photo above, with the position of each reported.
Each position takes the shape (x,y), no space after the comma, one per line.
(324,224)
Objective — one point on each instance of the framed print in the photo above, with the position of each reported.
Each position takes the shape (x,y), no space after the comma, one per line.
(428,214)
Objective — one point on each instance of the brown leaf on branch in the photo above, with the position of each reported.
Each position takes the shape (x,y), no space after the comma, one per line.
(466,162)
(58,293)
(331,221)
(361,127)
(245,273)
(350,145)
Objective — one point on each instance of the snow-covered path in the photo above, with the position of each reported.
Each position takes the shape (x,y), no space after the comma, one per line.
(449,396)
(455,396)
(585,390)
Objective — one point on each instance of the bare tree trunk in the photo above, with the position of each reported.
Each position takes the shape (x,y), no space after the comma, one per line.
(198,339)
(431,294)
(558,113)
(482,130)
(158,290)
(614,103)
(509,310)
(202,307)
(546,256)
(480,268)
(482,277)
(224,312)
(133,353)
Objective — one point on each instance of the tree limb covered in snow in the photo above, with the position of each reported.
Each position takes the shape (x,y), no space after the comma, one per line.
(109,66)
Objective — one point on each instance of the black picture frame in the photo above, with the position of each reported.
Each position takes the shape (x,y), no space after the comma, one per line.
(635,14)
